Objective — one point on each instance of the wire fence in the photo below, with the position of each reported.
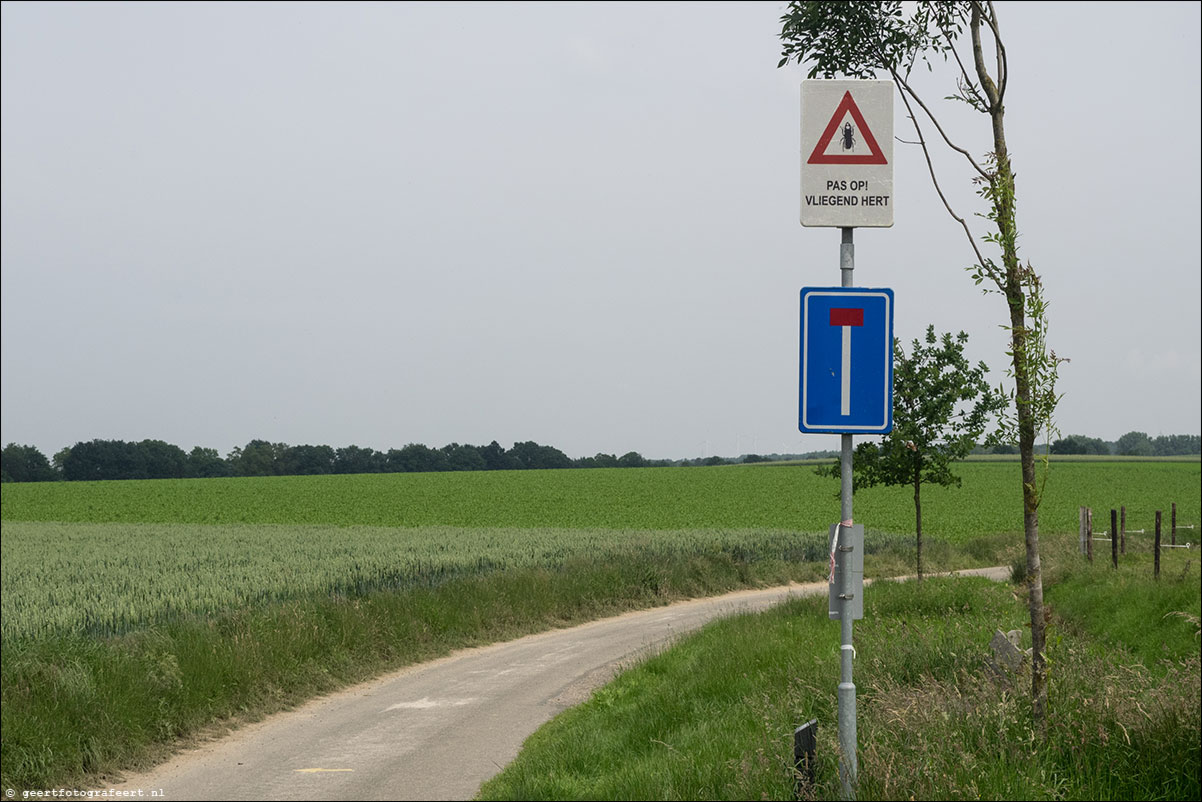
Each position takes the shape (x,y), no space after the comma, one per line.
(1116,535)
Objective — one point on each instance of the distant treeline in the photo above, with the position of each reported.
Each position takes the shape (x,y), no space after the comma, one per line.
(156,459)
(1132,444)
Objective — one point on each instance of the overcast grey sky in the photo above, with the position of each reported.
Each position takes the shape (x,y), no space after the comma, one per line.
(385,223)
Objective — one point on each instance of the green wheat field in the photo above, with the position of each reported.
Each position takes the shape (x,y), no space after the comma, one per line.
(106,557)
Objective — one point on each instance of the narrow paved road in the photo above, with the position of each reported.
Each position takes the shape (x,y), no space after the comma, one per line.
(440,729)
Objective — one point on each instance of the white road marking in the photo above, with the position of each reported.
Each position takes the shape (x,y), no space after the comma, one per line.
(425,703)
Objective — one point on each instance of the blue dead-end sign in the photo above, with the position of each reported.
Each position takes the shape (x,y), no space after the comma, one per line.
(846,360)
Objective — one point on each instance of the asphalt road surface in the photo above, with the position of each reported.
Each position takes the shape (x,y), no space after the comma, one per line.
(436,730)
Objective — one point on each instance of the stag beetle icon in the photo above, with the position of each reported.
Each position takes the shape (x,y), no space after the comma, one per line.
(849,136)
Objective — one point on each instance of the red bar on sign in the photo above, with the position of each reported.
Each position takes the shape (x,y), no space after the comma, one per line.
(847,317)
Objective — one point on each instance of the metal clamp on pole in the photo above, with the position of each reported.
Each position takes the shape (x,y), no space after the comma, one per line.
(846,582)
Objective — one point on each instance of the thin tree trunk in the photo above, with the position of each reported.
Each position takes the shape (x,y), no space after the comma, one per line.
(1003,198)
(1026,427)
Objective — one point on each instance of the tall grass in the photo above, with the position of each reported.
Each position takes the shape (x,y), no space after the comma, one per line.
(712,718)
(1129,608)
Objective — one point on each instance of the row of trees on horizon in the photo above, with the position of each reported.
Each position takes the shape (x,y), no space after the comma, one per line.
(1132,444)
(156,459)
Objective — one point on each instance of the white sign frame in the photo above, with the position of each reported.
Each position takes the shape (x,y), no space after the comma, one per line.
(847,153)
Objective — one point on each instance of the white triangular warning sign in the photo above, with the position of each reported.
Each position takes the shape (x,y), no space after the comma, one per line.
(845,137)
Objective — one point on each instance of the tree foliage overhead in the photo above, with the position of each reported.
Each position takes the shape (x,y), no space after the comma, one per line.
(862,39)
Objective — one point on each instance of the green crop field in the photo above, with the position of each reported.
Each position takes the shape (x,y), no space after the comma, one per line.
(743,497)
(101,579)
(106,557)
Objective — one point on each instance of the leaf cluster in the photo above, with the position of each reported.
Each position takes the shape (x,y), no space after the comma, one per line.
(943,407)
(859,39)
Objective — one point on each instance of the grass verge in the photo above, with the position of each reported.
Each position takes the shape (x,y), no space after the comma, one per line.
(712,717)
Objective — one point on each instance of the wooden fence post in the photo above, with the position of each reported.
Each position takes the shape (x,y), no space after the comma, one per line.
(1123,529)
(1173,529)
(1114,538)
(1089,532)
(1081,530)
(1156,558)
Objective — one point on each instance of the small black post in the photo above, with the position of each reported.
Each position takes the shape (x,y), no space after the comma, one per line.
(1114,538)
(1156,559)
(805,746)
(1173,524)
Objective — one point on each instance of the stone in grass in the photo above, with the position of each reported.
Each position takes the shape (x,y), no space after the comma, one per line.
(1007,657)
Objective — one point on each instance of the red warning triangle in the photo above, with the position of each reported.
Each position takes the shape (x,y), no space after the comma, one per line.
(820,156)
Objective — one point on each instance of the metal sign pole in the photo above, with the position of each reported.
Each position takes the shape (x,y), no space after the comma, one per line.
(848,767)
(846,380)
